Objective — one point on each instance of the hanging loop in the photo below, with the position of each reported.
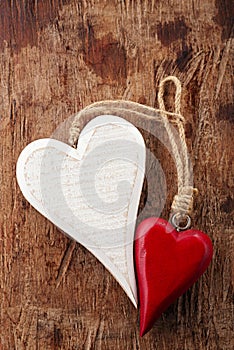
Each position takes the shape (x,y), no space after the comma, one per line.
(183,201)
(161,90)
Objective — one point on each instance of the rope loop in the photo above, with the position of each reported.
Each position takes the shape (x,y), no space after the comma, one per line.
(183,201)
(161,90)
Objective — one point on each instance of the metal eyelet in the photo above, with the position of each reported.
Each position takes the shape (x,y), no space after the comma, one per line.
(176,220)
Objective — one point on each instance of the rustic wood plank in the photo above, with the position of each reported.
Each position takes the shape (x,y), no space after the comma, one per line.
(59,56)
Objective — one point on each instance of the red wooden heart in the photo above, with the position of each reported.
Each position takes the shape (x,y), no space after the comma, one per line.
(167,262)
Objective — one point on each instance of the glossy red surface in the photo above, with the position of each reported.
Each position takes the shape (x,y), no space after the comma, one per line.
(167,264)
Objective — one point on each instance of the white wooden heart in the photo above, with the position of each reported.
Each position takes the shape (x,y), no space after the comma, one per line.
(91,193)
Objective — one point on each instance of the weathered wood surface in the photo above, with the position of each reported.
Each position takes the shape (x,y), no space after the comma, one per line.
(59,56)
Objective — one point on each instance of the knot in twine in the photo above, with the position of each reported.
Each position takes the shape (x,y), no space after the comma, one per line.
(183,201)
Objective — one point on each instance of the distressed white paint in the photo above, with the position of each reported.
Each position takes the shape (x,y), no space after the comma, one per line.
(91,193)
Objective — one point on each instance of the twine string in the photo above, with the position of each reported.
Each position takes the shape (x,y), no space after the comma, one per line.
(183,201)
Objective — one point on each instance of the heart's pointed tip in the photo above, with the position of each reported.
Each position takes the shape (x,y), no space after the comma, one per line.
(143,331)
(144,327)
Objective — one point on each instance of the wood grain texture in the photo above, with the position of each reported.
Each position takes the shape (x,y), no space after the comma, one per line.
(59,56)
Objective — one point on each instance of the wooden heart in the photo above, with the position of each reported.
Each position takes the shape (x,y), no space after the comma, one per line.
(91,193)
(167,263)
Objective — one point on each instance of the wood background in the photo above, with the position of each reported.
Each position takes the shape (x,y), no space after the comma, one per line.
(59,56)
